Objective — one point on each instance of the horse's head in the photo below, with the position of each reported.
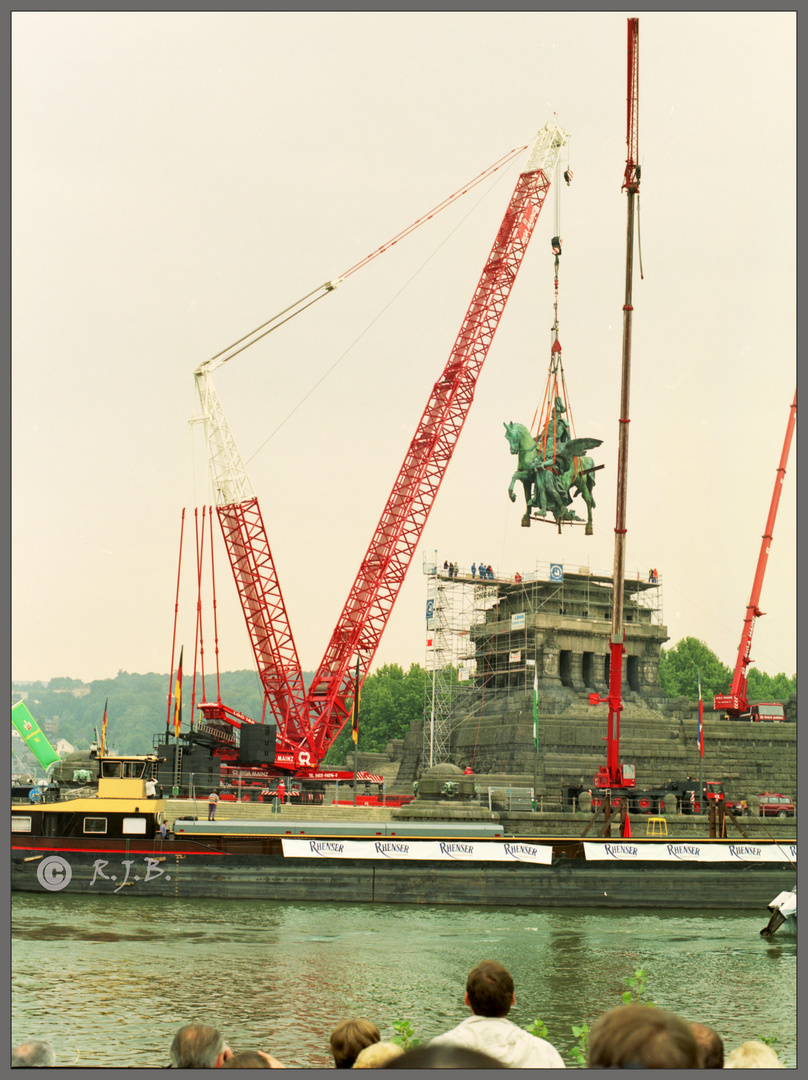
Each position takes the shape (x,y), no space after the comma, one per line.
(515,434)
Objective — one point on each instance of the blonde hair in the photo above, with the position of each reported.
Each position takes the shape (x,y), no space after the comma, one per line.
(753,1055)
(377,1055)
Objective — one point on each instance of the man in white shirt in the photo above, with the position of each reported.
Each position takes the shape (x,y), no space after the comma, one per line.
(490,995)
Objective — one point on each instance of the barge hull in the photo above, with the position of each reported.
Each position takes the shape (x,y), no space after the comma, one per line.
(187,869)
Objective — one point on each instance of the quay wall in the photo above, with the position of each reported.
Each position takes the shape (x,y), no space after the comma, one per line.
(496,740)
(541,823)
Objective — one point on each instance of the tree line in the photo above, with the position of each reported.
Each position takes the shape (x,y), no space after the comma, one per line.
(391,698)
(681,667)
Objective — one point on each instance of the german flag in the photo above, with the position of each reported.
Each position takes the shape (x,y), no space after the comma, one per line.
(178,698)
(104,730)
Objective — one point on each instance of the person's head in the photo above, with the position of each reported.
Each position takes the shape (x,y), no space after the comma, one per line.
(349,1038)
(377,1055)
(489,989)
(753,1055)
(642,1036)
(248,1059)
(197,1046)
(444,1056)
(36,1053)
(711,1047)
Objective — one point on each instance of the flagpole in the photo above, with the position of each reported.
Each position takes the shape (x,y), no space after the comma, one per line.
(432,720)
(104,730)
(355,729)
(535,733)
(430,643)
(177,724)
(701,745)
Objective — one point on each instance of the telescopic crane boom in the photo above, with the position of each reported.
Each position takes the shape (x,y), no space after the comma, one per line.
(308,722)
(613,774)
(736,702)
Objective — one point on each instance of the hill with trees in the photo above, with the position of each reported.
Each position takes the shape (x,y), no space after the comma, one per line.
(138,705)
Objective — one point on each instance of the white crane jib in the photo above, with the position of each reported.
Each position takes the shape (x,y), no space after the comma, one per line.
(227,473)
(228,476)
(546,147)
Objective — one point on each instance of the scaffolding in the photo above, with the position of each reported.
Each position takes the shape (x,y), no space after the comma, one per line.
(487,638)
(455,604)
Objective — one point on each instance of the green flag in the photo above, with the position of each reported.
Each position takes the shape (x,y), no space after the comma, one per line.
(34,738)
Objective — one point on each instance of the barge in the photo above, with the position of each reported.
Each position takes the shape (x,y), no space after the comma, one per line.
(111,841)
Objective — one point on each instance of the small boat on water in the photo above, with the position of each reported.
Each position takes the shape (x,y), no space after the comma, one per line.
(784,913)
(114,839)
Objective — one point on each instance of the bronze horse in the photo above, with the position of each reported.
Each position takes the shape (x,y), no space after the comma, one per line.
(547,484)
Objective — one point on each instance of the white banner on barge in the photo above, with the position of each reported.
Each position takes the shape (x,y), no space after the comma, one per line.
(429,850)
(515,851)
(750,852)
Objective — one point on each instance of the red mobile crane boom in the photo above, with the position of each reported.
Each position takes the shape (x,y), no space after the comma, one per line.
(613,774)
(309,722)
(735,702)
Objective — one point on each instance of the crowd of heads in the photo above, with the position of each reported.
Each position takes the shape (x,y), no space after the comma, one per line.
(633,1036)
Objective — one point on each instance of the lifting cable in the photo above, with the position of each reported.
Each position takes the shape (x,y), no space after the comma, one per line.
(198,637)
(555,384)
(329,286)
(332,285)
(436,210)
(215,618)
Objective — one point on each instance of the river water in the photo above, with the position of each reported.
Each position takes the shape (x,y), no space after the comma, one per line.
(109,982)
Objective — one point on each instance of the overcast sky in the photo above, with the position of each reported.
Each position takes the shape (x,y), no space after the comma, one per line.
(178,178)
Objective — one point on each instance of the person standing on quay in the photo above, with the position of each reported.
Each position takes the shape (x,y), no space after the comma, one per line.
(213,799)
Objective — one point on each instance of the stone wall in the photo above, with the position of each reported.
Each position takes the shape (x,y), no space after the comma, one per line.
(661,743)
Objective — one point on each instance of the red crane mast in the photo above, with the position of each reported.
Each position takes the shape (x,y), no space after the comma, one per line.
(613,774)
(736,701)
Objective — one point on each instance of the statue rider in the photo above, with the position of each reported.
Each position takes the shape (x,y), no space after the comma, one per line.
(558,430)
(558,435)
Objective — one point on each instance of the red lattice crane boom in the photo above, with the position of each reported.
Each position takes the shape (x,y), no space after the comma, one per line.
(736,702)
(253,569)
(309,722)
(390,552)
